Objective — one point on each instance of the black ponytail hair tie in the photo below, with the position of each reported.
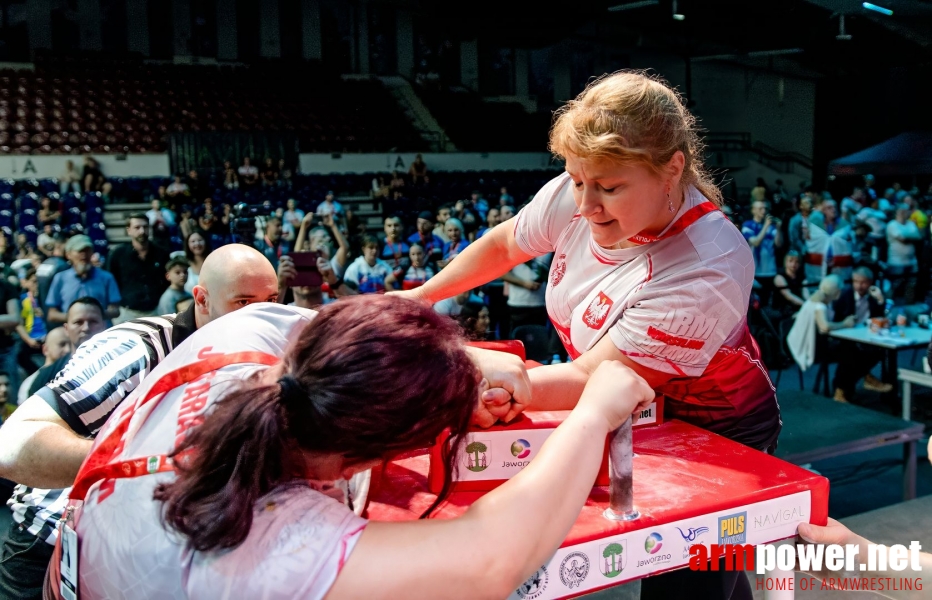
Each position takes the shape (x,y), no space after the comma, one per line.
(291,389)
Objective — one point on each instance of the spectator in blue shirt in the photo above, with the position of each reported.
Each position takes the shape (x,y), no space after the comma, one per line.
(425,238)
(82,279)
(762,232)
(457,234)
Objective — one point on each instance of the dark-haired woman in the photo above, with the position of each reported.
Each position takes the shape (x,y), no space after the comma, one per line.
(474,319)
(196,249)
(234,513)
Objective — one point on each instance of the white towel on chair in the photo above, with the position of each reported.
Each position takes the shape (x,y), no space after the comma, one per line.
(801,339)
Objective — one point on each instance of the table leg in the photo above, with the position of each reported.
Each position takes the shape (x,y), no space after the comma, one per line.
(888,372)
(907,400)
(909,470)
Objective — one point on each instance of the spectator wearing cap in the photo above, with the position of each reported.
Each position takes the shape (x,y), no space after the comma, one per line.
(139,270)
(81,280)
(425,238)
(330,206)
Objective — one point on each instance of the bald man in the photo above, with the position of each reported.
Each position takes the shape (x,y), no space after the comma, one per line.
(56,345)
(47,438)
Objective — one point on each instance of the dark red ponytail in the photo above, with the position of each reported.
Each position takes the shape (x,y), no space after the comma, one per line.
(369,377)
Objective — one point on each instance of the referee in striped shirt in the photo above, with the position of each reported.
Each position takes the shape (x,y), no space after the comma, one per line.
(47,438)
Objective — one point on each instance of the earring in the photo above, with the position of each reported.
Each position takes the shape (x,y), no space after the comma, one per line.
(670,203)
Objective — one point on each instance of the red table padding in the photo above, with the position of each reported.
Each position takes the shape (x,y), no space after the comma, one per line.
(681,473)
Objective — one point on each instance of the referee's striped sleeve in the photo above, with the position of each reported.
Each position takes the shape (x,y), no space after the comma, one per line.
(104,371)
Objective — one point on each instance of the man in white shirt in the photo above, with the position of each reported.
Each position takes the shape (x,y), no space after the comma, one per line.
(293,215)
(902,237)
(248,174)
(367,272)
(178,187)
(527,292)
(329,207)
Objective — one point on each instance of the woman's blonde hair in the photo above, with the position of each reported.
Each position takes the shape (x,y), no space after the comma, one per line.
(629,117)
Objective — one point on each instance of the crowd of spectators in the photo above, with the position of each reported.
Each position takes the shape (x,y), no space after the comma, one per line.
(823,264)
(46,280)
(852,260)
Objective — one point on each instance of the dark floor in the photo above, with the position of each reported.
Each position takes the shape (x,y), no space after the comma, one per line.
(869,480)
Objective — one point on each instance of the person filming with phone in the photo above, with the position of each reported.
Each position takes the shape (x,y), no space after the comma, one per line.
(762,231)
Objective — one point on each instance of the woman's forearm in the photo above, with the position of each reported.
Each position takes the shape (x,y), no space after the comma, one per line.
(557,387)
(560,477)
(504,536)
(490,257)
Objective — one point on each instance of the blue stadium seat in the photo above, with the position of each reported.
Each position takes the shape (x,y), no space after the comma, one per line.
(100,246)
(93,200)
(32,234)
(26,218)
(93,216)
(29,202)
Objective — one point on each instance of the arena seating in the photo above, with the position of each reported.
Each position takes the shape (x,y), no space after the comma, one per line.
(92,106)
(19,200)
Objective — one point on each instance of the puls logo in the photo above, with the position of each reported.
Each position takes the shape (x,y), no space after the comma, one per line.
(535,585)
(732,529)
(478,456)
(574,569)
(614,558)
(520,448)
(690,536)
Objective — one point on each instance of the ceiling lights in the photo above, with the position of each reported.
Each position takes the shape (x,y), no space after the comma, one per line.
(677,16)
(633,5)
(880,9)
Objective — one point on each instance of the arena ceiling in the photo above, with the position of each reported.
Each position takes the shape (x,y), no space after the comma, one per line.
(802,35)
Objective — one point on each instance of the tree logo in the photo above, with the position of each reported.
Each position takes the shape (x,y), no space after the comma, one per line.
(520,448)
(477,455)
(613,558)
(535,585)
(653,543)
(574,569)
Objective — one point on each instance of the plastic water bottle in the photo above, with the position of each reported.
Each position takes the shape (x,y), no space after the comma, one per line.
(555,360)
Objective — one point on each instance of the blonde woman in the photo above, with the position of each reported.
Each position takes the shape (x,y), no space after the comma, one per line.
(646,270)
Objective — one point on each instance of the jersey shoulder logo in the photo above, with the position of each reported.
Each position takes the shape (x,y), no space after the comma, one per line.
(559,271)
(597,311)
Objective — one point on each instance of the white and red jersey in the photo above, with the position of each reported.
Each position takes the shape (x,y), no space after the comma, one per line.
(675,303)
(299,537)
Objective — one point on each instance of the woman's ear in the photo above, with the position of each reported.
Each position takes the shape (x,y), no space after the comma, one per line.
(675,166)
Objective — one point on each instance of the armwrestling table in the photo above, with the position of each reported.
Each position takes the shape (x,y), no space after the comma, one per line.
(690,487)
